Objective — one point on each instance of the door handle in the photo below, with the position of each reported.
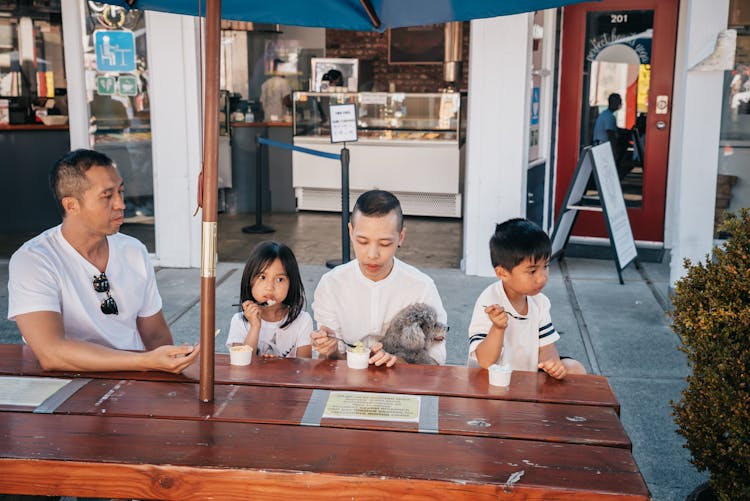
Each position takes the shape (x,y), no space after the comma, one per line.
(661,124)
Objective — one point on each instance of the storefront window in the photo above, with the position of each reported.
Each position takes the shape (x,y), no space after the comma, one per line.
(32,68)
(117,90)
(537,73)
(733,183)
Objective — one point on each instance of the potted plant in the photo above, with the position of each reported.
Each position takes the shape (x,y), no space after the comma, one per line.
(712,317)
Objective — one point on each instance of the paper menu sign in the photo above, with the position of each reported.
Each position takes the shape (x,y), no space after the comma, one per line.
(372,406)
(343,118)
(28,391)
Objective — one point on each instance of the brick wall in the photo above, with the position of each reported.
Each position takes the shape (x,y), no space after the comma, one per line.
(373,46)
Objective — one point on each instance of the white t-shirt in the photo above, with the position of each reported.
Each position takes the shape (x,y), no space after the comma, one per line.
(272,93)
(523,338)
(358,309)
(274,340)
(48,274)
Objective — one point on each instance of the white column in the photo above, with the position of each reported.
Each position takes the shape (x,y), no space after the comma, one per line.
(74,34)
(694,141)
(174,77)
(498,129)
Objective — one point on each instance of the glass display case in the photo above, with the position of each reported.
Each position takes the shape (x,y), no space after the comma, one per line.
(409,144)
(382,115)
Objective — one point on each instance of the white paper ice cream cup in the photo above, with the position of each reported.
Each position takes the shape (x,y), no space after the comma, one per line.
(240,355)
(357,359)
(500,375)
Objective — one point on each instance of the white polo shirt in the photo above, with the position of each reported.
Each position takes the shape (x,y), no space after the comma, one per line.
(358,309)
(523,338)
(48,274)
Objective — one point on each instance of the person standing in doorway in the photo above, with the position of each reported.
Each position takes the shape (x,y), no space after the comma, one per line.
(605,127)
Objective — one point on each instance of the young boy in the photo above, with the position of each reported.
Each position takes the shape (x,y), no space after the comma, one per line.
(360,298)
(511,322)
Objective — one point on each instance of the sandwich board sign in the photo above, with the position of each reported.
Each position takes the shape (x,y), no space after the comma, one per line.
(599,161)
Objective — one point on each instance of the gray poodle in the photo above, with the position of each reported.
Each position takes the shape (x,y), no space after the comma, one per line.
(412,331)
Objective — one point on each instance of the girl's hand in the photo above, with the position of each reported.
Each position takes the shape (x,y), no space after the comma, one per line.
(270,355)
(251,310)
(497,315)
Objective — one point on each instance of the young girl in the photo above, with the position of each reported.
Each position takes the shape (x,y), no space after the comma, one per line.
(272,297)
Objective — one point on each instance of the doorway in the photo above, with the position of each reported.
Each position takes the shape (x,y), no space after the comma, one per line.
(623,48)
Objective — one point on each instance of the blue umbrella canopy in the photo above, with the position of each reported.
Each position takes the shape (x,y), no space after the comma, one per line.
(361,15)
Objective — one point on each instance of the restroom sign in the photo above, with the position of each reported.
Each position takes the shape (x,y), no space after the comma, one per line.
(105,85)
(115,51)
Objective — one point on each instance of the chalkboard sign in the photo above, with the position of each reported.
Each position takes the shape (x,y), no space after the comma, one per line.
(599,161)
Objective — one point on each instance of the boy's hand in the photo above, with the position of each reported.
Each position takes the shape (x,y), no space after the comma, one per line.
(324,345)
(554,368)
(382,357)
(251,310)
(497,315)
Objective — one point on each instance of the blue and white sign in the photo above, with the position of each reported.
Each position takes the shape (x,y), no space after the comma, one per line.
(115,51)
(535,106)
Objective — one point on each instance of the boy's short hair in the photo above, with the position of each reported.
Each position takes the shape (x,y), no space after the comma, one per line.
(379,203)
(68,176)
(517,239)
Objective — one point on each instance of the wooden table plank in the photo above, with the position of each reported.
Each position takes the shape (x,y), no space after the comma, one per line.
(179,459)
(261,404)
(334,375)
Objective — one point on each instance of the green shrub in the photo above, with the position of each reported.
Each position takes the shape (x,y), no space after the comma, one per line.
(712,317)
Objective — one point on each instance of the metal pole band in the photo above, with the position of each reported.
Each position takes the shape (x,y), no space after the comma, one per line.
(208,249)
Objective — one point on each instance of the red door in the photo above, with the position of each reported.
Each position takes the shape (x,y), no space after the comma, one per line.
(625,47)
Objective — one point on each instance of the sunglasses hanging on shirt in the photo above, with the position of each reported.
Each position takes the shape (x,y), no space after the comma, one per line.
(101,284)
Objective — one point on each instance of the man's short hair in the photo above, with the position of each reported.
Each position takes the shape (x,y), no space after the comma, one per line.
(68,177)
(614,100)
(379,203)
(518,239)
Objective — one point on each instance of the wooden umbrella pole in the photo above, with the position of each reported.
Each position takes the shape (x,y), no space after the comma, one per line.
(210,195)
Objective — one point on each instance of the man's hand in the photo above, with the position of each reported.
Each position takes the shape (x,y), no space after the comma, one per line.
(497,315)
(325,345)
(553,367)
(174,359)
(382,357)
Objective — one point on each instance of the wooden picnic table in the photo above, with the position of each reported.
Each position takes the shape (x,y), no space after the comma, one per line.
(146,435)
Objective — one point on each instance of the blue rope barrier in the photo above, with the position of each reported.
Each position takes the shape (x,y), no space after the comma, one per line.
(269,142)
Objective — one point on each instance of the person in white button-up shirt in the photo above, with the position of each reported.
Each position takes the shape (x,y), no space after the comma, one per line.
(357,300)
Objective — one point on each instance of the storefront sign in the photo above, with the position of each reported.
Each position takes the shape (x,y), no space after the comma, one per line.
(343,123)
(105,85)
(115,51)
(535,106)
(372,406)
(127,85)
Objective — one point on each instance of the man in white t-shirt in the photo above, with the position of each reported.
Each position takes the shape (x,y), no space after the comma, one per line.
(82,294)
(357,300)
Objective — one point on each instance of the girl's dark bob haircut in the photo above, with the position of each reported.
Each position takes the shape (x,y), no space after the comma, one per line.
(260,258)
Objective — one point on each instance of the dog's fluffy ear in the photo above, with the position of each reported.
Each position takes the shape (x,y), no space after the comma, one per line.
(412,337)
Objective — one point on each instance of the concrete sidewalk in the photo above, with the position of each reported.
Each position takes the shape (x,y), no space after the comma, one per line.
(619,331)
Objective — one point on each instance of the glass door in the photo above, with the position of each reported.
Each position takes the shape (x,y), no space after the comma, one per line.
(616,87)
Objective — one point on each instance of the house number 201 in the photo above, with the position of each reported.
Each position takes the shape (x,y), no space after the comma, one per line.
(618,18)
